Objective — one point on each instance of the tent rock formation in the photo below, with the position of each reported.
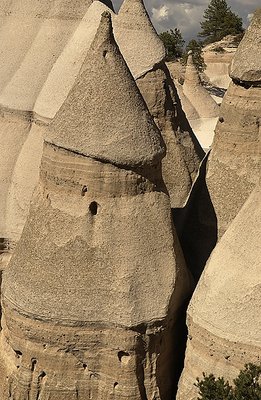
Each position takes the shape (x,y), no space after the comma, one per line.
(234,164)
(223,315)
(58,36)
(80,315)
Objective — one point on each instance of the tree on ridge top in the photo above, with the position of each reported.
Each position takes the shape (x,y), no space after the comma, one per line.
(173,43)
(219,21)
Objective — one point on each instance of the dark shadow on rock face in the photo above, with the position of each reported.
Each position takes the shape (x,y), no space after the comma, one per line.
(196,224)
(170,362)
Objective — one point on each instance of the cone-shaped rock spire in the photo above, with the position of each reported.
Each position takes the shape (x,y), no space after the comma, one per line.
(137,38)
(246,65)
(234,164)
(224,313)
(80,315)
(196,93)
(33,36)
(104,115)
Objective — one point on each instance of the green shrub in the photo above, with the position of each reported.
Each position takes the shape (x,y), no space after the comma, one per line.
(246,386)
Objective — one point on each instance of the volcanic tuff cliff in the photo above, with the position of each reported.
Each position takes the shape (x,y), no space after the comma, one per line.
(80,315)
(234,164)
(223,315)
(53,40)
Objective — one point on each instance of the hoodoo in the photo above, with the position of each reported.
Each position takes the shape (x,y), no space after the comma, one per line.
(80,315)
(144,54)
(33,36)
(234,164)
(196,93)
(224,313)
(53,43)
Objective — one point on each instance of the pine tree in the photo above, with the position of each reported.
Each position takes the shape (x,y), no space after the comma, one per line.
(211,388)
(246,386)
(173,43)
(219,21)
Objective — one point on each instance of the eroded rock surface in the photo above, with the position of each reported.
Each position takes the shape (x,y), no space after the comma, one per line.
(80,315)
(223,316)
(234,164)
(60,36)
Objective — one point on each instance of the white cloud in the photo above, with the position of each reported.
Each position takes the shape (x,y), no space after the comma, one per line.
(186,15)
(250,16)
(161,13)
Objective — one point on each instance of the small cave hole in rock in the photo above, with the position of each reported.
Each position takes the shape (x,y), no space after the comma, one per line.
(122,354)
(105,52)
(93,207)
(84,366)
(18,353)
(84,190)
(115,384)
(42,374)
(34,362)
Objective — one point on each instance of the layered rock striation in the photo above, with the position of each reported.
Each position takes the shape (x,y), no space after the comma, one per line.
(144,54)
(234,164)
(92,292)
(223,316)
(196,93)
(34,37)
(53,43)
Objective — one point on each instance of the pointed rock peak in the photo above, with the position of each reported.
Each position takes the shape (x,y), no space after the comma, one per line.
(246,65)
(138,40)
(190,61)
(104,116)
(104,32)
(133,6)
(191,74)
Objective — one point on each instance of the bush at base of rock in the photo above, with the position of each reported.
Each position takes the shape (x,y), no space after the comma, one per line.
(246,386)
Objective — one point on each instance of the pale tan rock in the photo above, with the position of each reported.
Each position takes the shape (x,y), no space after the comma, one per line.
(65,70)
(134,31)
(32,39)
(248,69)
(218,57)
(223,316)
(197,94)
(234,164)
(136,143)
(187,106)
(80,316)
(13,133)
(43,31)
(184,153)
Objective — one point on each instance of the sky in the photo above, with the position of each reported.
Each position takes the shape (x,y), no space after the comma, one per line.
(186,16)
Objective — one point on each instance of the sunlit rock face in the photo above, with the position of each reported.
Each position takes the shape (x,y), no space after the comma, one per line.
(34,36)
(184,153)
(223,316)
(38,71)
(205,106)
(144,53)
(234,165)
(93,291)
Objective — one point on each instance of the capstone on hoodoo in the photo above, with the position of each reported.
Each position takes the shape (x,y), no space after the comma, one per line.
(80,316)
(144,54)
(59,39)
